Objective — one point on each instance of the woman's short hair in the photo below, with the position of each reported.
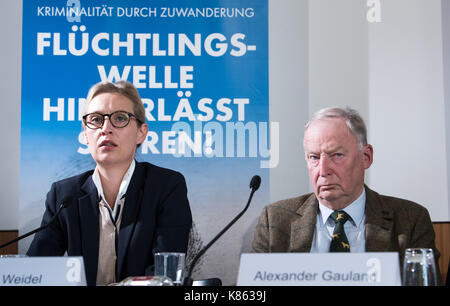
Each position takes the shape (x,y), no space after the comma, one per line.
(122,87)
(352,118)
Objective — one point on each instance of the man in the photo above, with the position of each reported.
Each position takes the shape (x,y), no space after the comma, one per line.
(122,212)
(343,214)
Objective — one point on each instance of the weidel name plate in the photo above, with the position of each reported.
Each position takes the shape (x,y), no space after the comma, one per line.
(42,271)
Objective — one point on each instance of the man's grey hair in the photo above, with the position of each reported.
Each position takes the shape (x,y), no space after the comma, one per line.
(352,118)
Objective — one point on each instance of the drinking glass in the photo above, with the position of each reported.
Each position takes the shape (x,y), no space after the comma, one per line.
(419,268)
(172,265)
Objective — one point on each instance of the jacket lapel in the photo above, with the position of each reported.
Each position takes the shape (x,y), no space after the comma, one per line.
(302,229)
(133,200)
(89,214)
(379,224)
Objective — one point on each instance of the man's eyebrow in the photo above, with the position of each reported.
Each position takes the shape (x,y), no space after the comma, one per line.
(339,148)
(333,150)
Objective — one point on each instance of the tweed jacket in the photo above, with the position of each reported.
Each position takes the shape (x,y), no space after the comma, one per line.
(392,225)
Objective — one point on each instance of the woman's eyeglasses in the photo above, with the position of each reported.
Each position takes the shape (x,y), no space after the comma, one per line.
(119,119)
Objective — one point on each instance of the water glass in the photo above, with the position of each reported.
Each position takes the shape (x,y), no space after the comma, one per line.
(172,265)
(419,268)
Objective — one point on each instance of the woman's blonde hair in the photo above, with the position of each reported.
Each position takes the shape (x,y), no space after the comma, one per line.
(124,88)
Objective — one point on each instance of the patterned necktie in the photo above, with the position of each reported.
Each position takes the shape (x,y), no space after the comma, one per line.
(339,243)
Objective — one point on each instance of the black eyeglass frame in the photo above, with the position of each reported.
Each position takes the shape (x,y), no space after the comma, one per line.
(130,115)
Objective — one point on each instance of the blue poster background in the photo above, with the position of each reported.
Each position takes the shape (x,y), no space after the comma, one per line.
(209,58)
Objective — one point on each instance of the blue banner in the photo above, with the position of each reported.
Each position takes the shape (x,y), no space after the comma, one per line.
(201,68)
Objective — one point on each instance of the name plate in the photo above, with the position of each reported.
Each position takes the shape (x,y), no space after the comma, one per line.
(319,269)
(42,271)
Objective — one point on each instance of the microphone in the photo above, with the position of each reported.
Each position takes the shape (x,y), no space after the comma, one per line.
(64,204)
(254,185)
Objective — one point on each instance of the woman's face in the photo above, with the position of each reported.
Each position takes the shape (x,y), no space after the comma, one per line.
(108,145)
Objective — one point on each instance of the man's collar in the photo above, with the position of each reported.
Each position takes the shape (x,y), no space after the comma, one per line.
(355,210)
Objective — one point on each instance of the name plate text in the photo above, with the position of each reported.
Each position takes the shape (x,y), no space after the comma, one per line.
(42,271)
(319,269)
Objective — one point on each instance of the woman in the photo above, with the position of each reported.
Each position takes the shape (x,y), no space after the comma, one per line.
(122,212)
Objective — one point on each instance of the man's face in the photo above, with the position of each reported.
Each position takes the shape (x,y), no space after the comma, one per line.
(109,145)
(335,162)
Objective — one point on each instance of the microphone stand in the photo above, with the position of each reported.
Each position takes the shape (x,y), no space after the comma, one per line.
(254,184)
(36,230)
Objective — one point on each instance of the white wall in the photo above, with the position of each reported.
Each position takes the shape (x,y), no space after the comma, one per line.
(406,106)
(10,73)
(446,65)
(338,67)
(288,93)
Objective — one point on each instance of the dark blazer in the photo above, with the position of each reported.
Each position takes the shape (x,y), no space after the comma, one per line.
(156,217)
(392,225)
